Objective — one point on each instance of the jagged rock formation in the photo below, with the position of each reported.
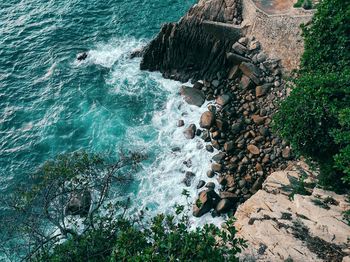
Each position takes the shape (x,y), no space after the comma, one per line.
(279,227)
(196,46)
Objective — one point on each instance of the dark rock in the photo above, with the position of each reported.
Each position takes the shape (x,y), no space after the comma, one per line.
(223,206)
(216,167)
(229,195)
(223,100)
(209,148)
(188,178)
(221,125)
(218,157)
(264,131)
(239,48)
(201,184)
(190,132)
(206,135)
(229,146)
(176,149)
(82,56)
(251,71)
(180,123)
(198,132)
(206,200)
(210,174)
(235,59)
(79,204)
(233,73)
(207,120)
(245,83)
(210,185)
(192,96)
(198,85)
(257,185)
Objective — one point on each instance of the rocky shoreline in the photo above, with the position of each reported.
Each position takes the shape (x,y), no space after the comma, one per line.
(238,124)
(245,86)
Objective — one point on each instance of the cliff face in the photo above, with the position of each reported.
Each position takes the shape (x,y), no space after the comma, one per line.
(193,48)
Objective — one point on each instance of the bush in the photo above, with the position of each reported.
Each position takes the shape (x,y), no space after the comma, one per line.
(315,118)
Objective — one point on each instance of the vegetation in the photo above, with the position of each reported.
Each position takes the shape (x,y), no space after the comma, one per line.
(315,118)
(306,4)
(67,213)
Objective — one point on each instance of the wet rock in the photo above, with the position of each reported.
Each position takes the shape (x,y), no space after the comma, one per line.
(180,123)
(209,148)
(223,100)
(216,167)
(201,184)
(190,132)
(206,135)
(229,146)
(218,157)
(210,185)
(79,204)
(253,149)
(176,149)
(210,174)
(207,120)
(223,206)
(192,96)
(188,178)
(82,56)
(206,200)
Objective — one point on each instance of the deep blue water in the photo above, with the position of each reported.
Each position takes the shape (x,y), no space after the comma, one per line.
(50,104)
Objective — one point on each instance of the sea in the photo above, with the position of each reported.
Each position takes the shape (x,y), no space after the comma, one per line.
(50,103)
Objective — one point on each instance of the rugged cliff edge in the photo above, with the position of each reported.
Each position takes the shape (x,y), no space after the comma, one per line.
(195,47)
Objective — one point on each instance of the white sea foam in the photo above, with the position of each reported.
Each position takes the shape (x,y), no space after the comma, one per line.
(160,183)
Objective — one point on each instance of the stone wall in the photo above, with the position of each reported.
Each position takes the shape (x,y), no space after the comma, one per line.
(279,34)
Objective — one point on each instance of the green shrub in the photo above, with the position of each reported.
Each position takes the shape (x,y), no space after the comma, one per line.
(315,118)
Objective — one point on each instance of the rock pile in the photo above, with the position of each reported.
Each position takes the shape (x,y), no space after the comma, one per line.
(238,123)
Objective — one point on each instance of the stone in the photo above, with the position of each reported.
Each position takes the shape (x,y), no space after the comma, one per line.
(201,184)
(223,206)
(254,45)
(236,128)
(261,57)
(221,125)
(243,41)
(239,48)
(253,149)
(180,123)
(264,131)
(210,174)
(210,185)
(286,153)
(229,195)
(206,200)
(215,83)
(192,96)
(230,180)
(235,59)
(245,83)
(209,148)
(262,90)
(218,157)
(229,146)
(190,132)
(258,167)
(79,204)
(257,185)
(207,120)
(233,73)
(223,100)
(176,149)
(206,135)
(198,85)
(258,119)
(216,167)
(188,178)
(251,71)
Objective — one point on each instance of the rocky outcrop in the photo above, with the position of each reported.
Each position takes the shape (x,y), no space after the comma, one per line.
(280,225)
(195,47)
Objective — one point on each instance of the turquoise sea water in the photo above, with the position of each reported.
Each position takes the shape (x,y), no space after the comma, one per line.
(51,104)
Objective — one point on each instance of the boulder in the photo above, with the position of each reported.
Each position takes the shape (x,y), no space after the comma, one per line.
(223,206)
(201,184)
(218,157)
(223,100)
(188,178)
(207,120)
(239,48)
(192,96)
(79,204)
(262,90)
(229,146)
(245,83)
(253,149)
(236,59)
(251,71)
(206,200)
(190,132)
